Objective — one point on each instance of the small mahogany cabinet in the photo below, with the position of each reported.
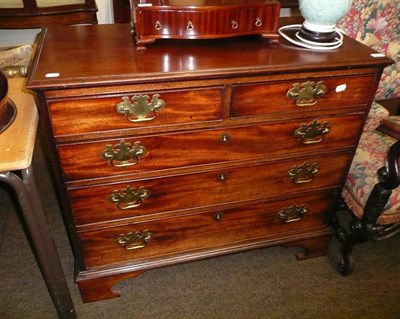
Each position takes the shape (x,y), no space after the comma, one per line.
(195,148)
(203,19)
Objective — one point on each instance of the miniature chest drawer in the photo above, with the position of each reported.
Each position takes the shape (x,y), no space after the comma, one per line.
(135,110)
(218,229)
(136,198)
(159,153)
(290,96)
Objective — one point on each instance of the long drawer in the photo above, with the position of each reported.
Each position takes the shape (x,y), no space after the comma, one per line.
(300,96)
(216,229)
(161,153)
(135,110)
(136,198)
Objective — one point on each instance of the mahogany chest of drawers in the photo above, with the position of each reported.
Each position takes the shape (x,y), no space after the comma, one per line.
(203,19)
(190,149)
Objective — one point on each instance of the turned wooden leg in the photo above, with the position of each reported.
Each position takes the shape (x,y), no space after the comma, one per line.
(100,288)
(357,235)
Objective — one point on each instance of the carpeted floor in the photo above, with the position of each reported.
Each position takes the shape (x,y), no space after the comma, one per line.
(266,283)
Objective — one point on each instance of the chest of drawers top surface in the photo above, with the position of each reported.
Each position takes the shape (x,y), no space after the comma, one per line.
(102,55)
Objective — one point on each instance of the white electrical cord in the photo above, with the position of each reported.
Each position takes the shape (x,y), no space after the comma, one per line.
(323,46)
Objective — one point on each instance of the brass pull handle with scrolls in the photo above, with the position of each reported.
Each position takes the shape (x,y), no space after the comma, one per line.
(307,93)
(312,133)
(293,213)
(303,173)
(129,197)
(138,108)
(135,239)
(124,154)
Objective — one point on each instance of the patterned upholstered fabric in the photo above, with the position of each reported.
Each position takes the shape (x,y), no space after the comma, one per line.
(394,119)
(376,115)
(376,23)
(362,177)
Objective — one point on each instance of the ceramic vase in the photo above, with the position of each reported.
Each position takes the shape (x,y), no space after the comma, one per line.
(320,18)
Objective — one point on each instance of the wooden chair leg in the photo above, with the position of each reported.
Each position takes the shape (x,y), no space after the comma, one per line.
(357,235)
(43,245)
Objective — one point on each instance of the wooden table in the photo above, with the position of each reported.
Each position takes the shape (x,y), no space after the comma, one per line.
(17,143)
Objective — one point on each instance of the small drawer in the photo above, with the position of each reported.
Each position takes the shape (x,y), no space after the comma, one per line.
(203,23)
(263,17)
(156,22)
(299,96)
(135,110)
(199,232)
(160,196)
(162,153)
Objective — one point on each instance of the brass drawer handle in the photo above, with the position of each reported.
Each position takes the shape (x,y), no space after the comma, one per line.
(135,239)
(312,133)
(139,107)
(303,173)
(158,26)
(129,197)
(293,213)
(124,154)
(258,22)
(307,93)
(234,24)
(190,26)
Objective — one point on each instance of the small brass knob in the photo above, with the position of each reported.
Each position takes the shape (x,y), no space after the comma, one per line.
(218,216)
(222,177)
(225,138)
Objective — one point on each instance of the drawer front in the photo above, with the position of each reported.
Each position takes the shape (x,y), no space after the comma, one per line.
(262,18)
(300,96)
(192,191)
(204,231)
(158,153)
(203,23)
(156,22)
(93,115)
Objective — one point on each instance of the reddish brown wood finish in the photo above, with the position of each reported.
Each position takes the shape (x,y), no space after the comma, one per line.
(84,161)
(223,143)
(170,194)
(174,235)
(204,19)
(257,99)
(122,9)
(183,107)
